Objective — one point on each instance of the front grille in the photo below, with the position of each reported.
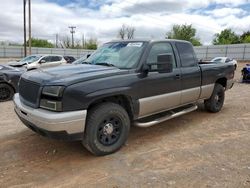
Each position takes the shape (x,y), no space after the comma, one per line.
(29,92)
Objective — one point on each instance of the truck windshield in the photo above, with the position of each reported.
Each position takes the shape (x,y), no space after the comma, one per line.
(123,55)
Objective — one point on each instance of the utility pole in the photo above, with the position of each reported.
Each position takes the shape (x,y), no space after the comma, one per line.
(72,31)
(24,28)
(29,27)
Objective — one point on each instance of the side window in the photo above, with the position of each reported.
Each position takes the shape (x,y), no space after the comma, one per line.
(47,59)
(186,53)
(160,48)
(218,60)
(55,58)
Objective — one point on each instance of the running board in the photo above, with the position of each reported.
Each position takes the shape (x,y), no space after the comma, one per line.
(168,115)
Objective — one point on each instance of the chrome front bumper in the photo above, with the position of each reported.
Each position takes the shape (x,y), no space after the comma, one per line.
(68,122)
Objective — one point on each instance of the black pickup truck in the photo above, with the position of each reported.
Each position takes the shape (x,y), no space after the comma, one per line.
(123,83)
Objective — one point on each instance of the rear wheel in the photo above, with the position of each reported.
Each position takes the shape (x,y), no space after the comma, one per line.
(106,129)
(6,92)
(216,101)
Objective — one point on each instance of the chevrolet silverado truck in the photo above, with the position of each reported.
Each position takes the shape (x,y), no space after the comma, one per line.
(123,83)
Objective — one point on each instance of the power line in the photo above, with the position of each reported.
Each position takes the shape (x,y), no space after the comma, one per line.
(156,18)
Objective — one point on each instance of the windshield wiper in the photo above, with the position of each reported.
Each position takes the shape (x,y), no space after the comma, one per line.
(106,64)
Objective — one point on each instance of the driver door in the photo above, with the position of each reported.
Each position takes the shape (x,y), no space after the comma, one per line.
(159,91)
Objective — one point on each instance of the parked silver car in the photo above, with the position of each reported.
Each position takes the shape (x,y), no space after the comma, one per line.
(225,60)
(39,61)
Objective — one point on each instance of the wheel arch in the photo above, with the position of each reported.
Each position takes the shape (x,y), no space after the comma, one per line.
(222,81)
(123,100)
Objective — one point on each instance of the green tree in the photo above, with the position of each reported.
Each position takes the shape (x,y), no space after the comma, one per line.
(40,43)
(227,36)
(245,37)
(184,32)
(91,44)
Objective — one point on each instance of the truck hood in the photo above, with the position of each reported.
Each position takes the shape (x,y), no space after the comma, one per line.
(71,74)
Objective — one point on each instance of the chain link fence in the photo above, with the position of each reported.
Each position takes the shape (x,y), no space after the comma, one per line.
(237,51)
(18,51)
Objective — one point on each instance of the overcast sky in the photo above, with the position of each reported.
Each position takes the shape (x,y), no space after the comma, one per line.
(103,18)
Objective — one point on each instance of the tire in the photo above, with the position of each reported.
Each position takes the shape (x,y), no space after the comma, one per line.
(215,102)
(106,129)
(6,92)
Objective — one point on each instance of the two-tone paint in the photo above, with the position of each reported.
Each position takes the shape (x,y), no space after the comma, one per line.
(146,93)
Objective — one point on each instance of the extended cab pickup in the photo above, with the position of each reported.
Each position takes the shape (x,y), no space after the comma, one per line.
(123,83)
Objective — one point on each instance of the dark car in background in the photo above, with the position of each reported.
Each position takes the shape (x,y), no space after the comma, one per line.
(9,78)
(246,73)
(69,59)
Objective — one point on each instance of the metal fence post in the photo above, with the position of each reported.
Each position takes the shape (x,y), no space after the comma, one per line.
(226,51)
(207,53)
(4,51)
(244,52)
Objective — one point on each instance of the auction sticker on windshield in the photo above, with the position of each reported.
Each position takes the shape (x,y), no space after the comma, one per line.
(135,44)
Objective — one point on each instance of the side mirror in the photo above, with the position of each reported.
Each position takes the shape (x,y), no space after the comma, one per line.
(165,63)
(42,61)
(88,55)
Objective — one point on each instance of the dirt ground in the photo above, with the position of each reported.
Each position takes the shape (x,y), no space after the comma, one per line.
(199,149)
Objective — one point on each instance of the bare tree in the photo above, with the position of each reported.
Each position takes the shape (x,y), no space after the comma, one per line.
(66,41)
(126,32)
(130,32)
(122,32)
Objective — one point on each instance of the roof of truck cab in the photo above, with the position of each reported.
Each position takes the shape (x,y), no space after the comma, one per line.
(149,40)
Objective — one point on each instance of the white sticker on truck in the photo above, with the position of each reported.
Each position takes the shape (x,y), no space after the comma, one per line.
(134,44)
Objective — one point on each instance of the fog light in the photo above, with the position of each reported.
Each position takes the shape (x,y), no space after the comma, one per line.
(51,105)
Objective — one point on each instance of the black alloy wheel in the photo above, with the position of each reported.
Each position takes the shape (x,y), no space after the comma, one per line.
(6,92)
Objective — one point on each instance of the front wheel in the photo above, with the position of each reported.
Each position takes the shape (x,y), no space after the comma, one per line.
(216,101)
(106,129)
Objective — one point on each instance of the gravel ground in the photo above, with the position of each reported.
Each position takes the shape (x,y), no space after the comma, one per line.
(199,149)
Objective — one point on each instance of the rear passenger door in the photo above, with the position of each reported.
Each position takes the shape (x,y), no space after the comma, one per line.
(160,91)
(190,73)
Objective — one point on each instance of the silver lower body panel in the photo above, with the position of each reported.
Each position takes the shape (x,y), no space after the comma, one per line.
(70,122)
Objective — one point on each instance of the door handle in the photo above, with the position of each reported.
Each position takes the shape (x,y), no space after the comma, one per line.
(177,76)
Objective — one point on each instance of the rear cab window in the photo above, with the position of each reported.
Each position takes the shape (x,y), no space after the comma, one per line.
(186,53)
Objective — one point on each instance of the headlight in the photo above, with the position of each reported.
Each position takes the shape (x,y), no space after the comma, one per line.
(51,98)
(54,91)
(51,105)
